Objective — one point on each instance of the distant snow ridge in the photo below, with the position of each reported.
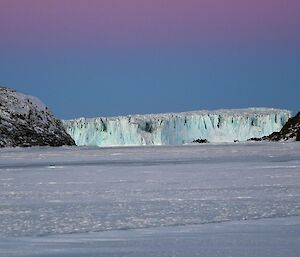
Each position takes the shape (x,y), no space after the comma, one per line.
(177,128)
(26,121)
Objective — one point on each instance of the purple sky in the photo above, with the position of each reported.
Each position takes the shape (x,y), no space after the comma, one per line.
(142,23)
(171,44)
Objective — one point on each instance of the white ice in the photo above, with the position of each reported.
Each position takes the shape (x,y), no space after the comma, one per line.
(177,128)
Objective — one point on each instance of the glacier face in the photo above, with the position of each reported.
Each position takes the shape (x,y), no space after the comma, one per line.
(177,128)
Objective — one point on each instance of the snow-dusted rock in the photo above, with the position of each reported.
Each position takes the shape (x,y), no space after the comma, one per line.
(290,131)
(26,121)
(177,128)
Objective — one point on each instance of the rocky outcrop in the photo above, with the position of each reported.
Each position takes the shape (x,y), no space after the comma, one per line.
(200,141)
(26,121)
(290,131)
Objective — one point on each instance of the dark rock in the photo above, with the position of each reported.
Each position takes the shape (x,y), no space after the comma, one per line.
(200,141)
(255,139)
(25,121)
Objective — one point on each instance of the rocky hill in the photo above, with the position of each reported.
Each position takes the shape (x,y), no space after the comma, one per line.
(26,121)
(290,131)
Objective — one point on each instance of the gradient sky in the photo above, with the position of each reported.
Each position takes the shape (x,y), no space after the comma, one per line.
(114,57)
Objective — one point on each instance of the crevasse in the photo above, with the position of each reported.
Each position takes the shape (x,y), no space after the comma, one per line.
(177,128)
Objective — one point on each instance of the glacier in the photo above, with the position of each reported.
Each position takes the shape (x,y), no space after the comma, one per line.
(177,128)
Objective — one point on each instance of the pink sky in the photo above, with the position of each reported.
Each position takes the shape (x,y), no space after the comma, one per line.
(63,23)
(185,54)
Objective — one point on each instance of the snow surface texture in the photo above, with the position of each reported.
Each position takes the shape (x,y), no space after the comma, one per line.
(26,121)
(72,190)
(273,237)
(177,128)
(151,201)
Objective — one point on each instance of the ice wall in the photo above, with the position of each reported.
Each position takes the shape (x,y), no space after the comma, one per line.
(177,128)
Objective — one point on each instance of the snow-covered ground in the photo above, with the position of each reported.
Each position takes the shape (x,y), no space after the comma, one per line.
(195,200)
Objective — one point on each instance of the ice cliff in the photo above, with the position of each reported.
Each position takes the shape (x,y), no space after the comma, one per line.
(26,121)
(177,128)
